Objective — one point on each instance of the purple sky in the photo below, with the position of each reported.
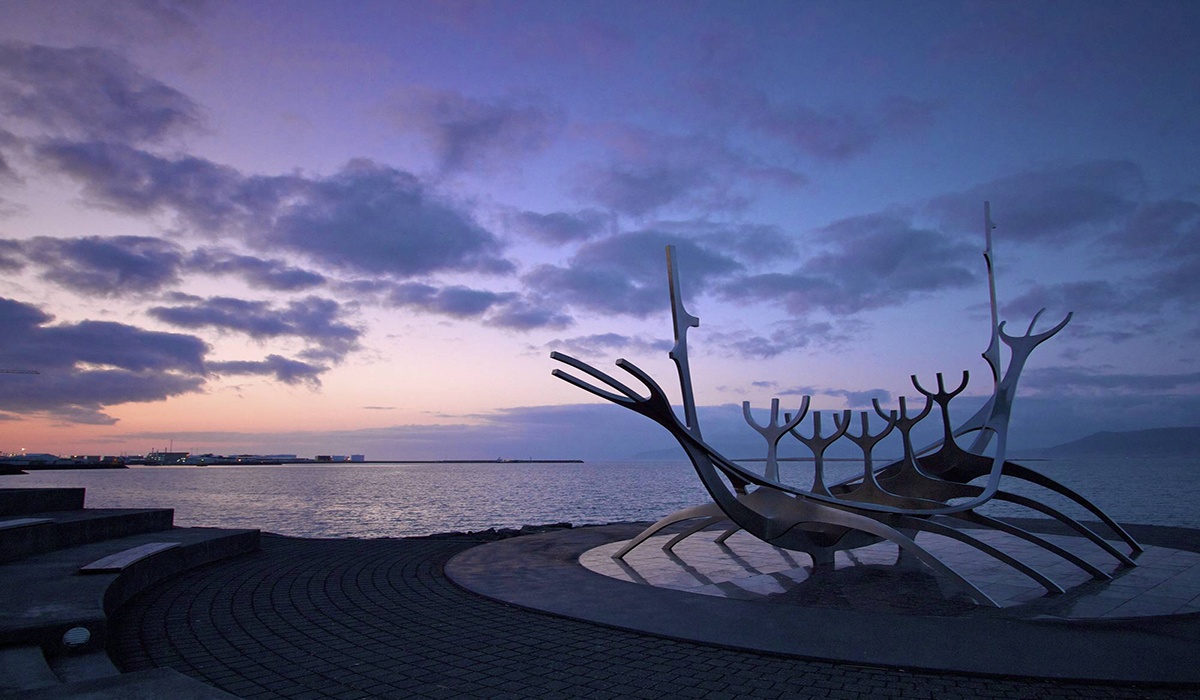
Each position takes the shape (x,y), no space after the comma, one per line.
(321,227)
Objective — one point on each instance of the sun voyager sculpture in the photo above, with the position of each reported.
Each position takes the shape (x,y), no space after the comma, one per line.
(937,490)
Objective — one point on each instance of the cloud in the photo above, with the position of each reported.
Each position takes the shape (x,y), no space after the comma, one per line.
(202,194)
(1048,205)
(604,344)
(111,267)
(1086,381)
(314,320)
(831,134)
(501,309)
(650,170)
(470,134)
(272,274)
(626,273)
(378,219)
(89,93)
(787,337)
(1142,252)
(123,265)
(869,262)
(602,44)
(6,170)
(756,243)
(640,188)
(1178,283)
(560,228)
(11,256)
(1166,227)
(456,301)
(523,315)
(8,141)
(367,217)
(283,369)
(1088,297)
(901,115)
(88,366)
(118,22)
(854,399)
(1166,277)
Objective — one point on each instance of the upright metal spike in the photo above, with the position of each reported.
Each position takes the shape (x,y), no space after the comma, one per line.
(992,354)
(682,322)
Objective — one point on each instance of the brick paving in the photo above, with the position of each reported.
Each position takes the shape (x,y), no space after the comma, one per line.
(378,619)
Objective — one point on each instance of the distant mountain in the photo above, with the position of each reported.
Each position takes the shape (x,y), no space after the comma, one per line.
(1156,442)
(664,454)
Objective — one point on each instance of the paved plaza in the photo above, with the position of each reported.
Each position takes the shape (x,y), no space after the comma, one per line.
(380,618)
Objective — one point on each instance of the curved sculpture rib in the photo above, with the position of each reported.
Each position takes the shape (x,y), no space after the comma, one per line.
(1070,522)
(698,527)
(979,519)
(1026,474)
(706,510)
(940,529)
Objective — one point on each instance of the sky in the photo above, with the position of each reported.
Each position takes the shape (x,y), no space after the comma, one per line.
(334,228)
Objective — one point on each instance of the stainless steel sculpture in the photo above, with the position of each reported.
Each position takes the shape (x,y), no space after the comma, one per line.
(926,491)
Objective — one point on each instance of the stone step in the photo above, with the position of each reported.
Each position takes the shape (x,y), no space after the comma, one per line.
(46,602)
(72,668)
(24,668)
(15,502)
(142,685)
(35,533)
(116,563)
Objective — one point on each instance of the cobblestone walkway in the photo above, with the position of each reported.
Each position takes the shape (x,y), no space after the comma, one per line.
(376,618)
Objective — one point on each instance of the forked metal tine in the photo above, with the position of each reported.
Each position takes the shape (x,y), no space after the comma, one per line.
(750,416)
(1030,338)
(942,396)
(904,421)
(866,435)
(656,391)
(788,421)
(801,412)
(1029,331)
(818,442)
(576,381)
(597,374)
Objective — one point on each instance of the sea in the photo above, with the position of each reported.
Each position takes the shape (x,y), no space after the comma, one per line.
(406,499)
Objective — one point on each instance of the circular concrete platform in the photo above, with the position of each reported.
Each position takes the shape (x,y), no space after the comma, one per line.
(867,610)
(878,578)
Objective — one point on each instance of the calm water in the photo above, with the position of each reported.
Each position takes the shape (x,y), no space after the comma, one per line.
(380,500)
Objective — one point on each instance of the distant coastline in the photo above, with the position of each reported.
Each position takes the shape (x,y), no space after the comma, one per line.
(12,467)
(1155,442)
(471,461)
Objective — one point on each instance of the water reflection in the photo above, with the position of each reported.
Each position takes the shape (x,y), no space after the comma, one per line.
(399,500)
(384,500)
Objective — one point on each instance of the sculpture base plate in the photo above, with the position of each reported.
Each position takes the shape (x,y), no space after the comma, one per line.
(879,579)
(863,612)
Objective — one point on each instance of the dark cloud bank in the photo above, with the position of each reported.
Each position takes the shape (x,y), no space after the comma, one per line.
(88,366)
